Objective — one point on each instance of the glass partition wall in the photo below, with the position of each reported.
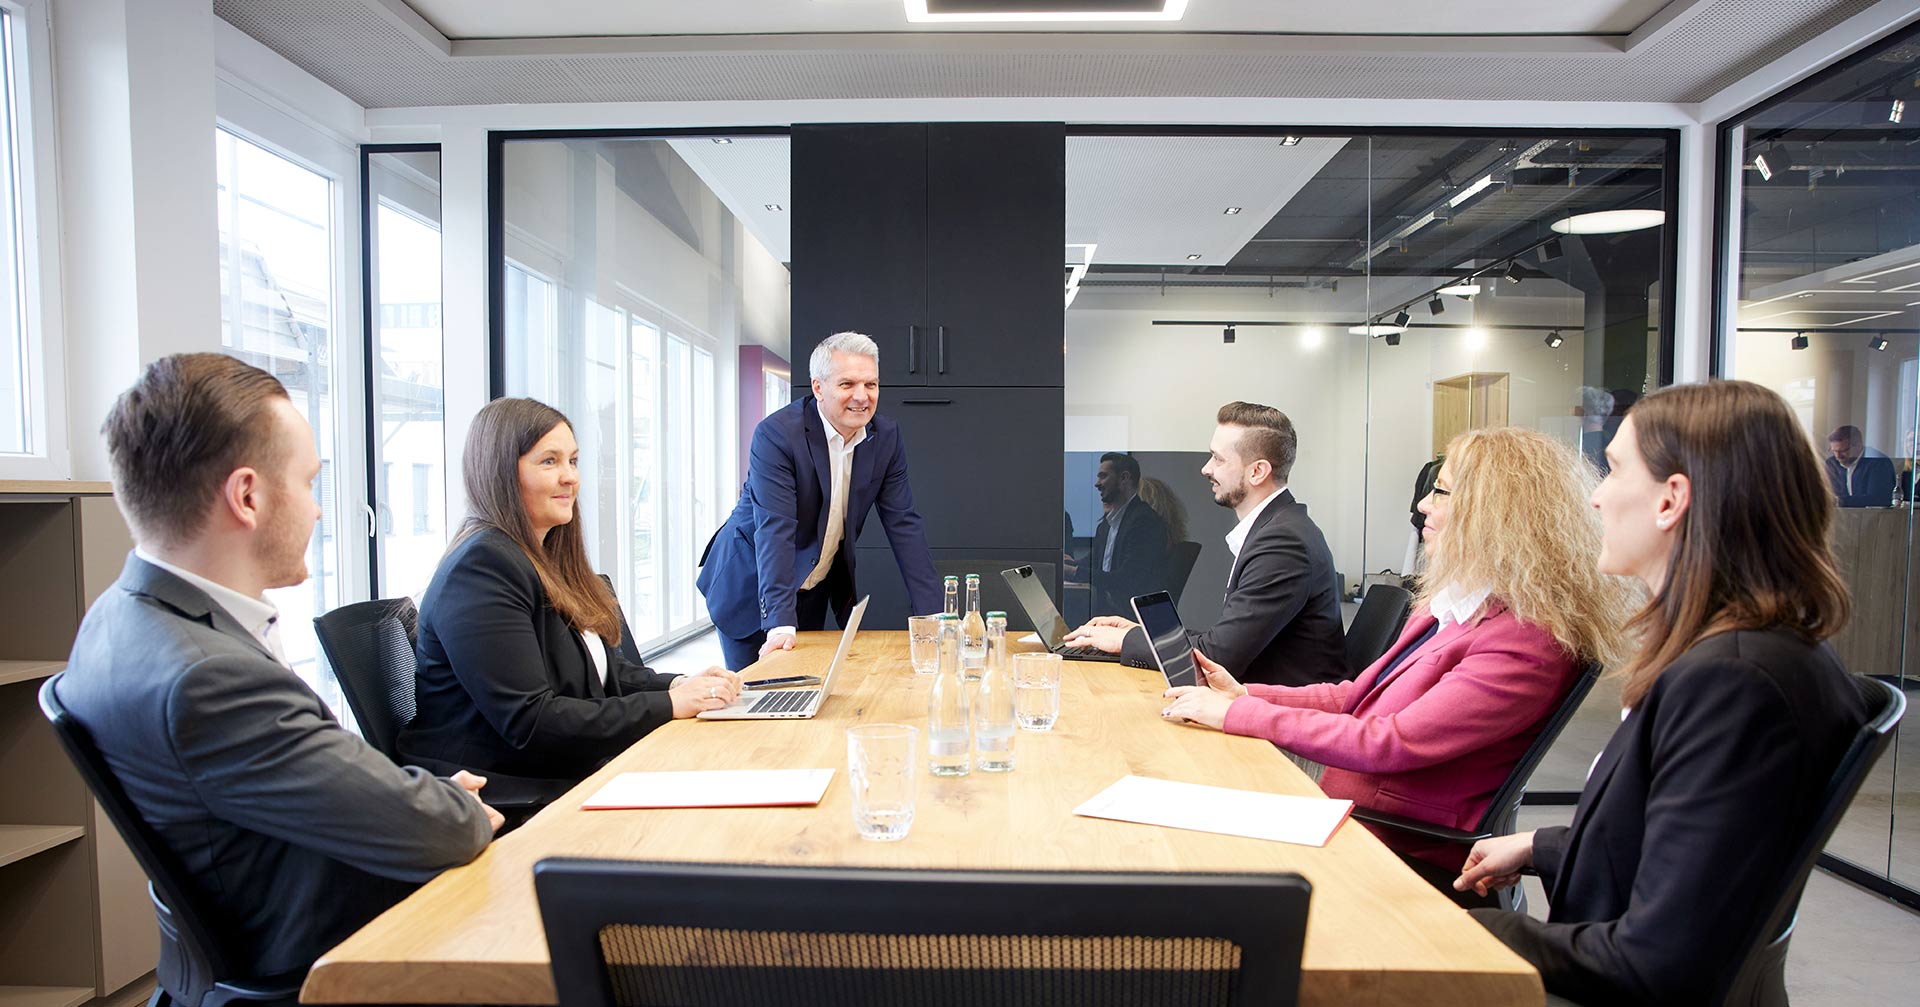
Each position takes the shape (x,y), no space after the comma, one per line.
(1386,292)
(1819,285)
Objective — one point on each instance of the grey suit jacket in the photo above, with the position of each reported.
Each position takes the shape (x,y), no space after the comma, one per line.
(294,830)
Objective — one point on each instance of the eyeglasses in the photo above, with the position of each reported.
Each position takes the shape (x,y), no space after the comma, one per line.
(1441,491)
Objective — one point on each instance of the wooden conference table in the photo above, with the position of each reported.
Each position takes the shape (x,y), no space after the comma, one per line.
(1376,933)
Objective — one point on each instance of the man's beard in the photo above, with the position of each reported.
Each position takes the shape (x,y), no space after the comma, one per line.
(1232,498)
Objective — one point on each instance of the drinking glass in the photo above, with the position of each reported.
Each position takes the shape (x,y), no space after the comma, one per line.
(1036,691)
(880,768)
(923,640)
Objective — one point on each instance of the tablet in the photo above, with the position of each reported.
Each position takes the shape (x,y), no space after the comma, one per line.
(1172,651)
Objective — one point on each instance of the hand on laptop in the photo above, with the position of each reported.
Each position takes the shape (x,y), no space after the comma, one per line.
(712,689)
(1104,632)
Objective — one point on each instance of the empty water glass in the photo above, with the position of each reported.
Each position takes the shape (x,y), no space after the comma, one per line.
(1036,691)
(923,643)
(880,769)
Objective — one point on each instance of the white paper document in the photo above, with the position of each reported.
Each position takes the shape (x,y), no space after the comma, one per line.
(1307,821)
(712,788)
(1031,638)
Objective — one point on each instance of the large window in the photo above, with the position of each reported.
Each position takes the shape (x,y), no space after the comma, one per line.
(408,433)
(1818,302)
(32,432)
(633,271)
(277,306)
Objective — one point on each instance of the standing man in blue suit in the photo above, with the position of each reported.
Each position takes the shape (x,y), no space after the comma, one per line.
(785,555)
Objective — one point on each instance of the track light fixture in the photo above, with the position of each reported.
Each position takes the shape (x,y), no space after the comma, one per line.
(1551,250)
(1402,318)
(1513,271)
(1393,338)
(1878,343)
(1760,164)
(1799,340)
(1226,335)
(1554,340)
(1436,306)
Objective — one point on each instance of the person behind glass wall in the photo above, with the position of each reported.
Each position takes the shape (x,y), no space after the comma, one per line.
(1155,493)
(1509,611)
(292,829)
(1860,476)
(1280,621)
(785,555)
(1129,541)
(1736,713)
(1596,409)
(520,671)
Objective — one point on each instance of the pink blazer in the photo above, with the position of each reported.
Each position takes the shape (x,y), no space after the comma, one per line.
(1438,738)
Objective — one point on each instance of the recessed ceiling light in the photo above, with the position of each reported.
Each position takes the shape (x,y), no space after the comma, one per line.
(1194,257)
(1609,221)
(1231,210)
(722,139)
(936,11)
(775,207)
(1289,141)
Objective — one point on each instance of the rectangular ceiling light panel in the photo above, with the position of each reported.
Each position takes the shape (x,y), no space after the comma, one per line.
(924,11)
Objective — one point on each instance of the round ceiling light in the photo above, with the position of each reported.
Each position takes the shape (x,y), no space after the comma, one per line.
(1376,329)
(1461,289)
(1609,221)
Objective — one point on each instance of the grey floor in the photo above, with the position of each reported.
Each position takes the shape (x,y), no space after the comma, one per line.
(1851,947)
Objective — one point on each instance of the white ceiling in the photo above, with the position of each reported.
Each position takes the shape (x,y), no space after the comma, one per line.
(497,19)
(384,54)
(747,174)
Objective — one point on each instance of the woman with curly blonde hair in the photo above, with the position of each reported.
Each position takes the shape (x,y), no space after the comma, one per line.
(1510,610)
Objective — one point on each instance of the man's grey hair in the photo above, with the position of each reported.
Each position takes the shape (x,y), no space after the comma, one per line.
(820,365)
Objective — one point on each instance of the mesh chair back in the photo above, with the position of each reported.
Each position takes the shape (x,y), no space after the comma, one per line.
(634,934)
(193,957)
(1383,614)
(1504,810)
(1762,976)
(1180,559)
(369,645)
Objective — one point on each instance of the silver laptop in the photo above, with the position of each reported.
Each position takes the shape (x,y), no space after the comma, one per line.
(792,704)
(1047,623)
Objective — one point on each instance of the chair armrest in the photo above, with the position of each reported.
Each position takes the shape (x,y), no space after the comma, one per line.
(1459,837)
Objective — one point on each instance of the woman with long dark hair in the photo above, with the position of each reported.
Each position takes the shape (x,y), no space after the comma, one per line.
(1736,713)
(520,672)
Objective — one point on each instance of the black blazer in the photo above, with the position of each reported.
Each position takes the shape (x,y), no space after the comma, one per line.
(1682,838)
(505,684)
(1281,622)
(294,831)
(1139,559)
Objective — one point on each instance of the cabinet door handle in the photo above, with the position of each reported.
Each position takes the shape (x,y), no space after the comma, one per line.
(940,332)
(926,402)
(913,357)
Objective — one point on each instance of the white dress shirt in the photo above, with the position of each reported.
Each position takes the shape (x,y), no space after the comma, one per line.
(840,460)
(1112,521)
(1451,605)
(1238,536)
(256,615)
(597,650)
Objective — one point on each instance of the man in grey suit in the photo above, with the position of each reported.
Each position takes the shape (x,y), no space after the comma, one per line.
(294,830)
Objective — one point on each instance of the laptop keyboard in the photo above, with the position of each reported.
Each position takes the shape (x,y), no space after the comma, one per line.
(1089,653)
(783,701)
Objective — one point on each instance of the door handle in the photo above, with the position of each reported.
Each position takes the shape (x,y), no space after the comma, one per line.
(913,357)
(926,402)
(940,332)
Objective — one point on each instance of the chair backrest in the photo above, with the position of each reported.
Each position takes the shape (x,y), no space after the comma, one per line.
(1383,614)
(630,933)
(1180,559)
(369,645)
(1887,704)
(1504,808)
(185,920)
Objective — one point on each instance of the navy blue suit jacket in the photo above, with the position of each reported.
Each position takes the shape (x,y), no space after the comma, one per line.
(756,562)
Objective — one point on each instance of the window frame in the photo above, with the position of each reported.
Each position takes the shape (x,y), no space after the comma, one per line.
(43,378)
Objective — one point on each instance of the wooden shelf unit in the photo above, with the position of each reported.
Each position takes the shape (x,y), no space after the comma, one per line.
(73,901)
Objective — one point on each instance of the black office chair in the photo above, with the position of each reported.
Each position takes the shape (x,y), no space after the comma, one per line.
(632,934)
(1180,559)
(196,961)
(1504,810)
(1762,979)
(1382,615)
(369,645)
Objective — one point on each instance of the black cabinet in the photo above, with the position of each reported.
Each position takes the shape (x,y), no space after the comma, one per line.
(877,576)
(984,464)
(944,242)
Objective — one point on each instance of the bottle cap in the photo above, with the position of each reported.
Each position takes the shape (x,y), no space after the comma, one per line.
(951,577)
(996,615)
(945,616)
(972,577)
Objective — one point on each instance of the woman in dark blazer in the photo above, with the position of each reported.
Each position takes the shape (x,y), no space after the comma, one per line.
(520,671)
(1737,714)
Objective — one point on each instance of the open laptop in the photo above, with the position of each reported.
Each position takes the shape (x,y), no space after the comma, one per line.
(792,704)
(1047,624)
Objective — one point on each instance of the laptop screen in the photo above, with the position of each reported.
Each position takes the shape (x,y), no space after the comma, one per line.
(1033,597)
